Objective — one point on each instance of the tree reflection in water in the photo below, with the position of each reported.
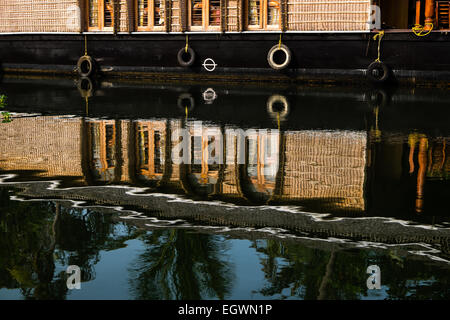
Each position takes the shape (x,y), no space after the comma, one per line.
(38,237)
(292,270)
(38,240)
(178,264)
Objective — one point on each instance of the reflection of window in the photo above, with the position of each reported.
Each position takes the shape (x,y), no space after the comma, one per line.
(150,149)
(204,15)
(100,15)
(150,14)
(204,155)
(263,14)
(102,149)
(262,161)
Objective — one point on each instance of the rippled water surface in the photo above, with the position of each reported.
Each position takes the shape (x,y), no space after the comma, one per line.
(177,191)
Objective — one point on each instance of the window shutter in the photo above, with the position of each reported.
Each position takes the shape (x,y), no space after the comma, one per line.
(283,9)
(183,15)
(130,15)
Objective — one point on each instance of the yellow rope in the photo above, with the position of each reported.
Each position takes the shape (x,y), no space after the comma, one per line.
(187,44)
(418,29)
(278,120)
(379,36)
(279,43)
(85,45)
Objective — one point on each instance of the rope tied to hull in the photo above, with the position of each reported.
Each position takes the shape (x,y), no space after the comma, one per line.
(187,44)
(379,36)
(85,46)
(418,29)
(279,43)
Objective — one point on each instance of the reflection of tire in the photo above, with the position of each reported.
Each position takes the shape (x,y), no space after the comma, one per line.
(209,95)
(85,87)
(378,71)
(185,100)
(186,58)
(85,66)
(271,60)
(378,98)
(272,106)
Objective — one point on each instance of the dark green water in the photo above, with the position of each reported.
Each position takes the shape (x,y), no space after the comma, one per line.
(335,181)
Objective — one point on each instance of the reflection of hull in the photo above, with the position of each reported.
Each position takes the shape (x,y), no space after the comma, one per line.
(309,107)
(341,57)
(328,171)
(255,167)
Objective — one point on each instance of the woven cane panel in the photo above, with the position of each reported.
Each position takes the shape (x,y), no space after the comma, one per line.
(328,15)
(39,16)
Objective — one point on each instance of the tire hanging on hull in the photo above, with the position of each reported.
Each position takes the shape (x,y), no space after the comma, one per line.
(271,60)
(86,66)
(181,57)
(378,72)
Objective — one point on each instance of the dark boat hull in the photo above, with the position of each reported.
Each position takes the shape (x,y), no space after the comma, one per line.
(239,56)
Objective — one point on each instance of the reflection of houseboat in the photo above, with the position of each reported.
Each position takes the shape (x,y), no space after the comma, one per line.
(239,39)
(340,170)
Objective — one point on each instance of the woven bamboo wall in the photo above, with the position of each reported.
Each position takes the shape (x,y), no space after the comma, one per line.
(328,15)
(51,145)
(325,165)
(39,16)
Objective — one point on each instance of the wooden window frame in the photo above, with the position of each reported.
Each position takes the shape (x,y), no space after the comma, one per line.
(101,18)
(263,18)
(205,17)
(151,17)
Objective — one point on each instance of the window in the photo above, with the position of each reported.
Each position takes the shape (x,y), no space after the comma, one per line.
(150,15)
(204,15)
(100,15)
(263,14)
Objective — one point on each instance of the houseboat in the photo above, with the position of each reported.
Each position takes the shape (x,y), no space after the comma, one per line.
(233,40)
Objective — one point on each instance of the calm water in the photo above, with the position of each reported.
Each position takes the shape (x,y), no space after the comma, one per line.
(161,191)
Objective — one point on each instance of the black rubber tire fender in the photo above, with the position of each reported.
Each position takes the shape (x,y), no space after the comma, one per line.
(378,65)
(180,55)
(270,56)
(85,66)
